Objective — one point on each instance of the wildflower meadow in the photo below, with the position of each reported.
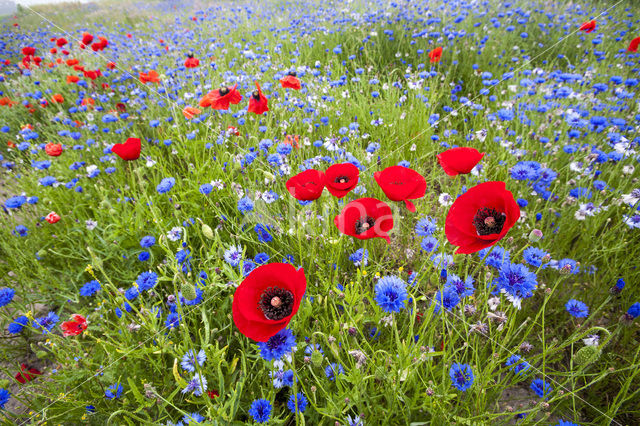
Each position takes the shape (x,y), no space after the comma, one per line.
(359,212)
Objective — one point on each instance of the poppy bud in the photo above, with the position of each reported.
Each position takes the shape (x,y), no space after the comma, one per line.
(535,236)
(586,355)
(207,231)
(316,358)
(188,291)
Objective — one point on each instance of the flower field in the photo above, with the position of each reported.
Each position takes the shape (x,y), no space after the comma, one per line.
(327,213)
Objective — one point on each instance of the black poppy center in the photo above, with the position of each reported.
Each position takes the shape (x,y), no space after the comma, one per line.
(223,91)
(276,303)
(292,73)
(342,179)
(364,224)
(256,95)
(190,55)
(489,221)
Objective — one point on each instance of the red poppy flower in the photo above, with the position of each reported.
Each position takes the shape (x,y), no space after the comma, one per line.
(99,46)
(77,325)
(588,27)
(26,374)
(258,103)
(401,184)
(92,74)
(290,81)
(53,51)
(52,218)
(72,62)
(213,394)
(86,39)
(481,217)
(53,149)
(457,161)
(365,218)
(221,98)
(128,151)
(28,51)
(267,299)
(111,65)
(61,42)
(341,179)
(73,79)
(57,98)
(633,46)
(307,185)
(435,54)
(191,62)
(151,76)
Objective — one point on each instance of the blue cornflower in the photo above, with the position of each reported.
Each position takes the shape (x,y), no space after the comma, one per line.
(131,293)
(278,345)
(193,417)
(302,403)
(462,287)
(568,265)
(516,280)
(6,296)
(360,257)
(496,258)
(197,385)
(309,349)
(147,280)
(426,227)
(4,397)
(441,260)
(541,388)
(448,298)
(332,370)
(533,256)
(429,244)
(518,364)
(206,188)
(247,267)
(461,375)
(18,324)
(260,410)
(565,423)
(165,185)
(261,258)
(245,205)
(143,256)
(577,308)
(90,288)
(634,310)
(233,255)
(113,391)
(46,322)
(173,320)
(15,202)
(619,284)
(263,233)
(147,241)
(391,293)
(282,378)
(20,231)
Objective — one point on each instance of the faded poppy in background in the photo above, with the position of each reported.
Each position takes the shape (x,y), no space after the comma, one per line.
(221,98)
(53,149)
(191,62)
(86,40)
(151,76)
(190,112)
(435,54)
(341,179)
(61,42)
(402,184)
(365,218)
(462,160)
(481,217)
(128,151)
(267,299)
(57,98)
(77,325)
(26,374)
(588,27)
(307,185)
(28,51)
(290,81)
(258,103)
